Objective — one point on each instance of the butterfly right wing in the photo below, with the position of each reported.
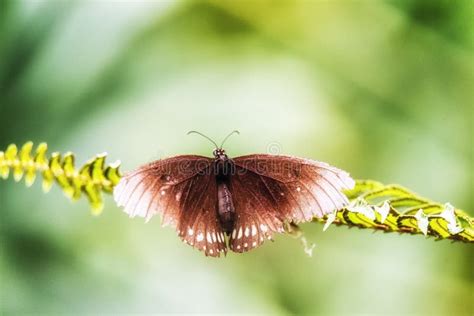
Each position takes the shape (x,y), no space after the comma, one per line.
(269,190)
(301,188)
(183,190)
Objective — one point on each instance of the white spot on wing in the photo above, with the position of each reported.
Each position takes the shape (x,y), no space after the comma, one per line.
(190,231)
(240,233)
(263,227)
(200,237)
(254,230)
(247,232)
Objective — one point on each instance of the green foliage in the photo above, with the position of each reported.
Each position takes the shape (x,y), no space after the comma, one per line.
(389,208)
(93,178)
(393,208)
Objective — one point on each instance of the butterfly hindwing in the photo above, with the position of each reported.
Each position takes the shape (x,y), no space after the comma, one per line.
(199,225)
(257,217)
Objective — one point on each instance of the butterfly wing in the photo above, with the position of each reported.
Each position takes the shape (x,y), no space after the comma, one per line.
(269,190)
(183,190)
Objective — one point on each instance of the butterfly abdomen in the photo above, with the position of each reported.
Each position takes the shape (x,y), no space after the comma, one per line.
(225,207)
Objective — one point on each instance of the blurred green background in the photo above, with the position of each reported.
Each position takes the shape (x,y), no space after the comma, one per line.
(383,89)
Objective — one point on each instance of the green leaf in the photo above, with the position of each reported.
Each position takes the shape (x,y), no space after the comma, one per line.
(94,178)
(393,208)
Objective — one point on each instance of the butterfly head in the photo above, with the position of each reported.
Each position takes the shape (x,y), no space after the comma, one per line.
(219,153)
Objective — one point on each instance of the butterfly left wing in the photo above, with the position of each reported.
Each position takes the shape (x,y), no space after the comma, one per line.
(182,190)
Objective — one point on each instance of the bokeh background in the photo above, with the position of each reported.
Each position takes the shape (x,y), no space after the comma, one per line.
(383,89)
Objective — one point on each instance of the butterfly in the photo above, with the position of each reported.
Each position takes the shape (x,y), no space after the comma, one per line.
(221,203)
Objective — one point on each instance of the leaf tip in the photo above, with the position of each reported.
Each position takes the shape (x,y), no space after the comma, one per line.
(422,221)
(330,219)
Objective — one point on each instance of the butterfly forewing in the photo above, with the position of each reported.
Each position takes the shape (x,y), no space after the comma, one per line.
(300,188)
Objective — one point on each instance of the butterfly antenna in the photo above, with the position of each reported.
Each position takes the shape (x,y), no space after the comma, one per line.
(196,132)
(232,133)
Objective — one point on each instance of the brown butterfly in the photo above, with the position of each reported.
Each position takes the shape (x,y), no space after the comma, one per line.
(237,203)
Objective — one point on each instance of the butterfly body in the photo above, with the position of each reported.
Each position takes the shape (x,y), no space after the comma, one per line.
(220,203)
(223,170)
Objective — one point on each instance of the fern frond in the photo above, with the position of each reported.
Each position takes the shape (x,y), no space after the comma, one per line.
(393,208)
(92,179)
